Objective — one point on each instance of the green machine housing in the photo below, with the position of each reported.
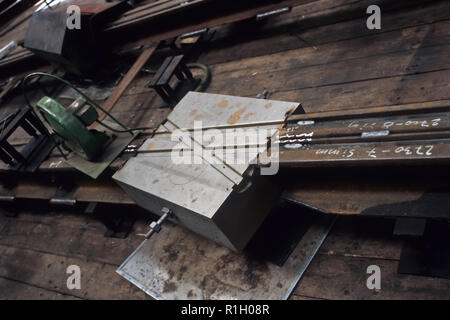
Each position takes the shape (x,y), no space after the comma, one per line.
(72,125)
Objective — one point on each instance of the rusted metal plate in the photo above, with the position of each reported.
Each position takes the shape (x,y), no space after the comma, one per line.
(416,135)
(410,108)
(367,153)
(367,137)
(397,191)
(178,264)
(431,122)
(86,190)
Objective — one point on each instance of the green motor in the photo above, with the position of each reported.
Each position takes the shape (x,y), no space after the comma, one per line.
(72,125)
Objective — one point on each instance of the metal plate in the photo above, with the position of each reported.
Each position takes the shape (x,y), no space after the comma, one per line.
(95,168)
(178,264)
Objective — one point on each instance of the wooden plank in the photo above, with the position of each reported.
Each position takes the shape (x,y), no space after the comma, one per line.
(131,74)
(403,63)
(363,237)
(13,290)
(368,46)
(48,271)
(336,277)
(85,242)
(205,21)
(401,89)
(158,8)
(303,30)
(414,15)
(414,42)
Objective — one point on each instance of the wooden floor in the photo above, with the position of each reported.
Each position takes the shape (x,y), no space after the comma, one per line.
(321,55)
(37,247)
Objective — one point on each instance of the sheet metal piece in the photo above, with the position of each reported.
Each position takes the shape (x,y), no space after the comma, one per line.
(95,168)
(178,264)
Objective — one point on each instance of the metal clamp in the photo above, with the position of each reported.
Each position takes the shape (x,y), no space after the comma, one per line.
(156,226)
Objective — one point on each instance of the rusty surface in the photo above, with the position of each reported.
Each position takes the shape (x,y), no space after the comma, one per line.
(411,108)
(87,190)
(351,198)
(431,122)
(178,264)
(414,133)
(414,150)
(376,153)
(398,190)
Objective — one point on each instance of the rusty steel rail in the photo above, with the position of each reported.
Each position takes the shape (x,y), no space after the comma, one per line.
(415,133)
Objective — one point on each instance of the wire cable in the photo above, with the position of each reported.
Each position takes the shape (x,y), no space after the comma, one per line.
(67,83)
(202,85)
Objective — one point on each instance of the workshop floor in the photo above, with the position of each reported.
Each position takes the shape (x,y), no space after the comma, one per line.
(37,247)
(321,55)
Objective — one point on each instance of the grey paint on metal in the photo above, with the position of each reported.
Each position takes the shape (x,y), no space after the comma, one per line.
(179,264)
(205,197)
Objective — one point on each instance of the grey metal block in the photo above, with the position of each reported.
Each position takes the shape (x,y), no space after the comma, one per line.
(223,201)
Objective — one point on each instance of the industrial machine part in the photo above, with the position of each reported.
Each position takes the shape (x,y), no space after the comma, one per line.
(81,51)
(213,195)
(156,226)
(71,124)
(173,65)
(30,156)
(93,150)
(48,37)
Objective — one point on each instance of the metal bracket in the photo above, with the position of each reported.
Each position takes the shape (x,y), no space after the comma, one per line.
(35,151)
(156,226)
(63,194)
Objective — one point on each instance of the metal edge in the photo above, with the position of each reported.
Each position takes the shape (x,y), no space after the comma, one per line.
(310,258)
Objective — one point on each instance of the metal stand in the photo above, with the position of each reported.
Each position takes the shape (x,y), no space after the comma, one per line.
(64,193)
(173,65)
(37,149)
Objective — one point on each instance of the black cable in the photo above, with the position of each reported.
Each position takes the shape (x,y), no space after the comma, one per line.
(204,82)
(67,83)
